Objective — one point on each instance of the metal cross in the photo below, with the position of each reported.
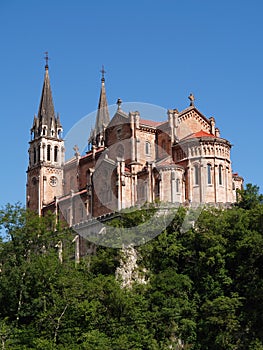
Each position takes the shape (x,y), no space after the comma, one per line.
(102,72)
(46,58)
(192,99)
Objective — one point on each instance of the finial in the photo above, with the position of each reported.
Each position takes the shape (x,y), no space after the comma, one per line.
(47,59)
(119,102)
(192,99)
(76,149)
(102,73)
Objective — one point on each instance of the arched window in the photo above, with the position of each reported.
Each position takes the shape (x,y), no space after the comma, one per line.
(196,174)
(48,152)
(55,153)
(43,151)
(44,131)
(157,188)
(220,178)
(177,185)
(118,133)
(209,177)
(38,153)
(147,148)
(35,155)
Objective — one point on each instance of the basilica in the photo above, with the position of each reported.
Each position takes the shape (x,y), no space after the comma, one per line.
(130,161)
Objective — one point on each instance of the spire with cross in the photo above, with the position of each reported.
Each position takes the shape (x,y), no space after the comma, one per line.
(103,116)
(46,113)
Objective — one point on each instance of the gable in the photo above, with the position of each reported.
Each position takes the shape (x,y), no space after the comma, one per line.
(119,118)
(191,121)
(118,129)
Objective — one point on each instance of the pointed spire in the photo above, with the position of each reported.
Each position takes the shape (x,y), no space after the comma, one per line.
(103,116)
(46,111)
(46,123)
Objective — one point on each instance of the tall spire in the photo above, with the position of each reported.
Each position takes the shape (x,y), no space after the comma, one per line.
(46,123)
(46,153)
(46,111)
(103,116)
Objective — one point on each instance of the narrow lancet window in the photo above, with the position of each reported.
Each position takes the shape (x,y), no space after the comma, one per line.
(177,185)
(35,155)
(209,177)
(196,175)
(147,148)
(220,178)
(55,153)
(48,152)
(38,153)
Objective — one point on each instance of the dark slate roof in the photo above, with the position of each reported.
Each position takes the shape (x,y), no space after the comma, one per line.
(103,116)
(46,111)
(46,117)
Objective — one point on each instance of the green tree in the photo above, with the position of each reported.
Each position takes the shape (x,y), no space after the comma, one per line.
(249,197)
(204,288)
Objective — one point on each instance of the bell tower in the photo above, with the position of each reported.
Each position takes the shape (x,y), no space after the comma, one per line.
(46,153)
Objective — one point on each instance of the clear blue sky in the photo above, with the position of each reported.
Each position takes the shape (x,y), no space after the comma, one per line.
(153,51)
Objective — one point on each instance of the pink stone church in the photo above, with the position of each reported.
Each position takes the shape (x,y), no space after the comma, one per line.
(180,161)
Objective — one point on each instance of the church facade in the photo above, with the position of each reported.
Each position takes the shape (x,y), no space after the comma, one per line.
(181,161)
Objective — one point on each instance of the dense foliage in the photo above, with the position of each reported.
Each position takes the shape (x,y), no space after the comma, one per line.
(204,287)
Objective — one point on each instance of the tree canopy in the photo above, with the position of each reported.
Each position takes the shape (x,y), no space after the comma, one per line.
(203,290)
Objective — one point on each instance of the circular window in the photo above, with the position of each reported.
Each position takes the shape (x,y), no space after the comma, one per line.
(53,181)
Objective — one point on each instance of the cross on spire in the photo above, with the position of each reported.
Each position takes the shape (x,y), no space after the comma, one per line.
(46,59)
(192,99)
(102,73)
